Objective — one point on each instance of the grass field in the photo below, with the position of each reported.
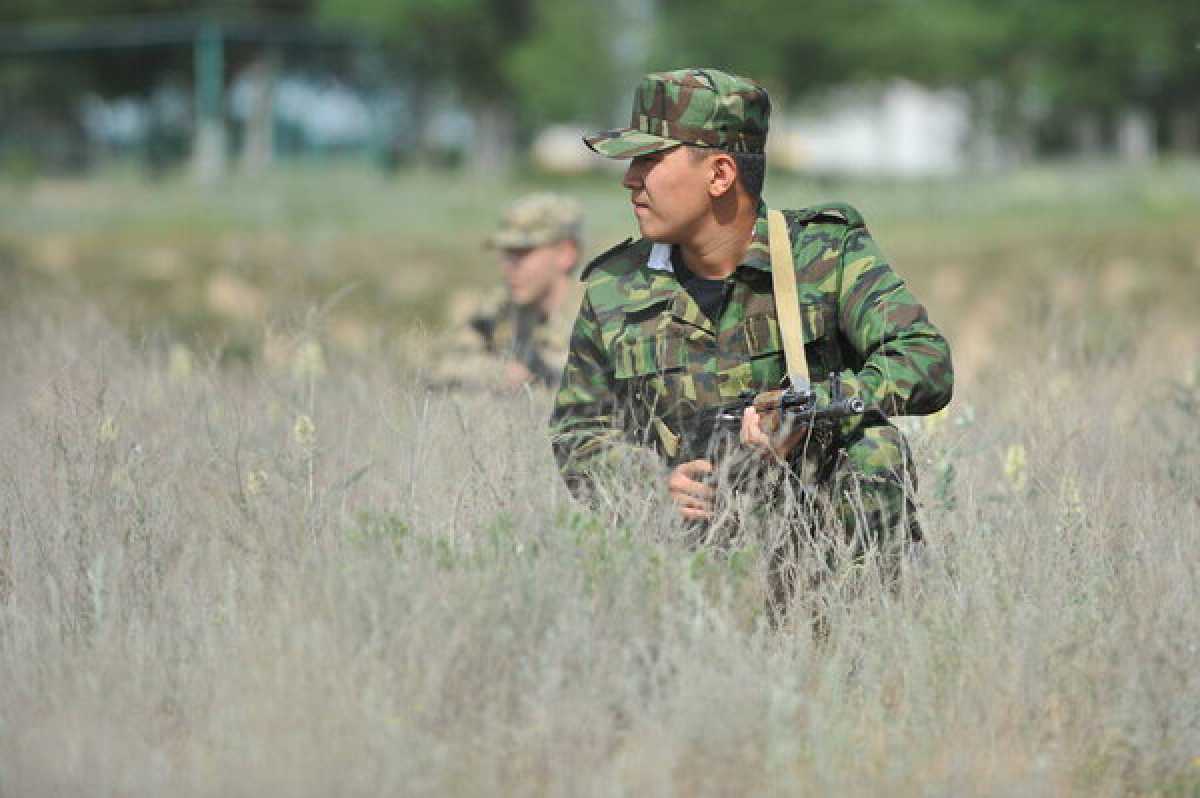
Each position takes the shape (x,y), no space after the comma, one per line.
(244,552)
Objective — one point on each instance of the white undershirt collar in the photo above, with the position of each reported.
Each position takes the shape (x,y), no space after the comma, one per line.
(660,258)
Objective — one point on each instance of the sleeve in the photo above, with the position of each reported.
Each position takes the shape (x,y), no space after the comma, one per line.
(905,360)
(462,358)
(586,430)
(459,357)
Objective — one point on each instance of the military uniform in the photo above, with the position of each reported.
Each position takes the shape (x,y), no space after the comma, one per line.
(496,332)
(647,368)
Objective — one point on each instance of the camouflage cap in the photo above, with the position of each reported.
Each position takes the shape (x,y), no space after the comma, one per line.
(538,219)
(703,107)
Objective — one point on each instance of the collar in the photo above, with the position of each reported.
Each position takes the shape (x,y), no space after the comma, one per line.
(660,258)
(758,252)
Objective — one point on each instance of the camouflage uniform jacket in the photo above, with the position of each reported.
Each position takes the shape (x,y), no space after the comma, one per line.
(496,331)
(646,366)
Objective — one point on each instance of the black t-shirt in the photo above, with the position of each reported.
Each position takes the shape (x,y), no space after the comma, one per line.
(709,294)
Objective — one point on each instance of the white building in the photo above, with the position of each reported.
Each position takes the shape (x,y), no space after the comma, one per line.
(900,129)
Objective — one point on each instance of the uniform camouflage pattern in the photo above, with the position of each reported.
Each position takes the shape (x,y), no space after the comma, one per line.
(496,332)
(646,367)
(705,107)
(537,220)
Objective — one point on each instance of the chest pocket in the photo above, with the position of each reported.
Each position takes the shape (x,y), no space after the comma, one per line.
(649,363)
(819,331)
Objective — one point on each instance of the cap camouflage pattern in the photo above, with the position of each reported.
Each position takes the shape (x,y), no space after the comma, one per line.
(536,220)
(703,107)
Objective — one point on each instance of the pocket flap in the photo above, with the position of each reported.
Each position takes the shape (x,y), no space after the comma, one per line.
(763,335)
(647,355)
(814,320)
(643,308)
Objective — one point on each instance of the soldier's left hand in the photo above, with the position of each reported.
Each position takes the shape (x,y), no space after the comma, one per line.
(693,498)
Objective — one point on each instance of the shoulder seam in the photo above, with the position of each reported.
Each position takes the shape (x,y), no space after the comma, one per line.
(836,212)
(596,261)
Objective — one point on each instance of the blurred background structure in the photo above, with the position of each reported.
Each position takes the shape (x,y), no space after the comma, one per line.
(888,87)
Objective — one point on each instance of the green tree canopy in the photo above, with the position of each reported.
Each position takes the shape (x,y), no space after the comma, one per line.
(516,64)
(1047,61)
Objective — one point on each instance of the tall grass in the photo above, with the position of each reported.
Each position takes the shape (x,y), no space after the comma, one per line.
(317,578)
(243,551)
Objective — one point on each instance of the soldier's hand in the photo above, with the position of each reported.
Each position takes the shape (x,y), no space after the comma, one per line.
(693,499)
(766,432)
(516,375)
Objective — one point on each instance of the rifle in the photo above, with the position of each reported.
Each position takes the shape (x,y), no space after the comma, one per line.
(800,408)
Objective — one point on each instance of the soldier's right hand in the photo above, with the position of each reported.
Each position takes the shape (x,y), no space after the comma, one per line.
(516,375)
(765,430)
(692,498)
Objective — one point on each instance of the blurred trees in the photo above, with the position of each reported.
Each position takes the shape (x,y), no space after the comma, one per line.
(108,48)
(1053,72)
(110,69)
(568,69)
(514,63)
(459,43)
(1050,76)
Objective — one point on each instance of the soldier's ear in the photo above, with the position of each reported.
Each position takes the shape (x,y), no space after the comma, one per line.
(723,176)
(568,254)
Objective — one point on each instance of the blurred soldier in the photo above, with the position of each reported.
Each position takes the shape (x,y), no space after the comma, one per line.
(684,320)
(518,335)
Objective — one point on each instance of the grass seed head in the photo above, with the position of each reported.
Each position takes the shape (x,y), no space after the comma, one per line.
(1015,470)
(304,431)
(108,430)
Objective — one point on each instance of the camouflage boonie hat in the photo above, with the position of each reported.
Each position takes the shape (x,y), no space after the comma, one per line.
(536,220)
(704,107)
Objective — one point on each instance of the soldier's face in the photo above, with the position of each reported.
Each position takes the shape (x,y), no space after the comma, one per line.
(669,192)
(531,273)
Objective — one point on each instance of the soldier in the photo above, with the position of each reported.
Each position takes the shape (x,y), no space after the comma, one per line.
(684,320)
(518,335)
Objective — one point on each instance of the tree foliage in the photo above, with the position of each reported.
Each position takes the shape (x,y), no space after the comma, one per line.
(113,70)
(467,41)
(516,64)
(525,63)
(565,69)
(549,60)
(1049,61)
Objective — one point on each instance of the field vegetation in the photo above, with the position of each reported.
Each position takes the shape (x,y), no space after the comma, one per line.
(244,551)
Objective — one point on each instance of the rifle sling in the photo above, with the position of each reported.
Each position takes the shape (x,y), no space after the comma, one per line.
(787,301)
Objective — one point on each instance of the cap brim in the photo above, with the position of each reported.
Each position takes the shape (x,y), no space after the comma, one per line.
(627,143)
(518,239)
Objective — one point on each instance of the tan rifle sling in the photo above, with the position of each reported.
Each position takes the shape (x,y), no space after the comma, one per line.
(787,301)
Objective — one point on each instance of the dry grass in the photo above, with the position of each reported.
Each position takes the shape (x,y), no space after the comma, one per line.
(307,576)
(211,267)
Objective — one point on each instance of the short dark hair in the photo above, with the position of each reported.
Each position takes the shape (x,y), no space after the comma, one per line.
(751,167)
